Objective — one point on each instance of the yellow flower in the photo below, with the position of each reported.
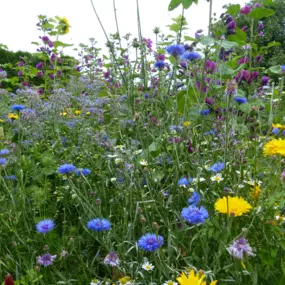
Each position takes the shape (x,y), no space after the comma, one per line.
(234,206)
(77,112)
(193,279)
(64,25)
(88,113)
(13,116)
(276,146)
(63,114)
(2,121)
(187,124)
(255,192)
(278,126)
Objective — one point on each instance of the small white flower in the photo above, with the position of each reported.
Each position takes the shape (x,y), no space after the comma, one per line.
(147,266)
(143,162)
(218,178)
(95,282)
(196,180)
(138,151)
(170,282)
(118,161)
(112,155)
(113,179)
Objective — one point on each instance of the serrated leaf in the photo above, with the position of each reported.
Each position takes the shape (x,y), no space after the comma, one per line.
(173,4)
(259,13)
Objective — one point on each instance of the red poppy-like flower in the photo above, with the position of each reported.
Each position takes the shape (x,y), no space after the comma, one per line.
(9,280)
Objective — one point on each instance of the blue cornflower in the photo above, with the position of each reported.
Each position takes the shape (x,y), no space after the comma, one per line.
(10,177)
(217,167)
(194,199)
(66,169)
(176,128)
(84,171)
(205,112)
(211,132)
(275,131)
(99,225)
(282,68)
(183,182)
(4,152)
(192,55)
(150,242)
(175,49)
(3,161)
(194,215)
(159,64)
(45,226)
(240,100)
(17,107)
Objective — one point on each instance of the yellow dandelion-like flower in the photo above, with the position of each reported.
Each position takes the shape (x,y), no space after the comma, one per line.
(64,25)
(234,206)
(186,124)
(193,279)
(77,112)
(64,114)
(276,146)
(255,192)
(13,116)
(278,126)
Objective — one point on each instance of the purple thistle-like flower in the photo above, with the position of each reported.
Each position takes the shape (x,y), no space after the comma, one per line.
(112,259)
(45,39)
(46,259)
(150,242)
(194,215)
(264,80)
(231,25)
(175,49)
(40,65)
(99,225)
(45,226)
(260,26)
(240,248)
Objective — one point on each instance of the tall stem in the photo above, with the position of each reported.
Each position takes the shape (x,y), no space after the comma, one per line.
(116,19)
(141,45)
(108,41)
(210,17)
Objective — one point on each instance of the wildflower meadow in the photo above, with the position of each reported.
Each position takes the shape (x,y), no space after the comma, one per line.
(160,161)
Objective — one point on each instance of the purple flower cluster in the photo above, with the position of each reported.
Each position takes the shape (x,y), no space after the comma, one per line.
(240,248)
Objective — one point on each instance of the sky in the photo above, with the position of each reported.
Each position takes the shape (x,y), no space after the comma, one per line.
(20,18)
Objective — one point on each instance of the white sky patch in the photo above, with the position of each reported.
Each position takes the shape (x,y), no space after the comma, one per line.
(19,19)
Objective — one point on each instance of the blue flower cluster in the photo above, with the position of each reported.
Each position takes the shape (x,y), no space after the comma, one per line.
(194,199)
(70,168)
(191,56)
(217,167)
(18,107)
(175,49)
(240,100)
(99,225)
(159,64)
(150,242)
(184,182)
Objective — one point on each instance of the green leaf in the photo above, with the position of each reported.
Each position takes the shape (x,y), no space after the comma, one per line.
(239,37)
(187,38)
(275,69)
(187,3)
(173,60)
(273,44)
(207,41)
(61,44)
(226,44)
(173,4)
(259,13)
(233,10)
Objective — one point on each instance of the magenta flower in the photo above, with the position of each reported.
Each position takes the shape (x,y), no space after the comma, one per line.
(245,10)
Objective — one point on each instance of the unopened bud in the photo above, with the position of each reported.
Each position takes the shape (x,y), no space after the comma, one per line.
(201,272)
(139,210)
(143,220)
(155,225)
(37,268)
(45,247)
(98,201)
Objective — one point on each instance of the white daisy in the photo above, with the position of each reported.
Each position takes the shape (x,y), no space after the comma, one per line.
(170,282)
(218,178)
(147,266)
